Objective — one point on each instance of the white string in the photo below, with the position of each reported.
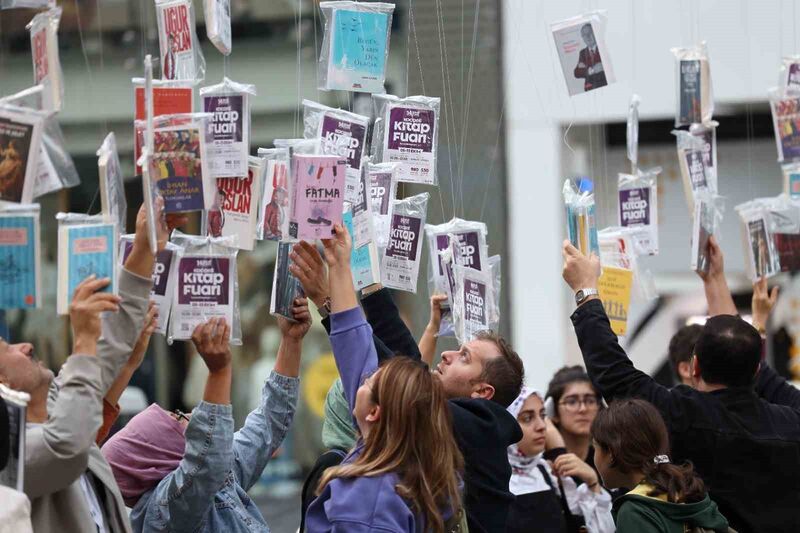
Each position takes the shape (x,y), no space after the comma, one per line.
(298,68)
(446,96)
(466,108)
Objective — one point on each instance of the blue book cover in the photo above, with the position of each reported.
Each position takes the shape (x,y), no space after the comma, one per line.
(363,260)
(19,271)
(358,50)
(87,250)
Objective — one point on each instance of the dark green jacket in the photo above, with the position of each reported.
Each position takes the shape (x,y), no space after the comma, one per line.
(635,512)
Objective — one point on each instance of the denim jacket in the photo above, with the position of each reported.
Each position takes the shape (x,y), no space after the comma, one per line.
(208,490)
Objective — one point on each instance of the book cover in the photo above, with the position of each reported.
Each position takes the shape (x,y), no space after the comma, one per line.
(344,138)
(229,143)
(583,57)
(786,119)
(12,475)
(358,50)
(275,201)
(112,188)
(400,262)
(20,268)
(638,210)
(204,290)
(85,249)
(164,274)
(409,139)
(763,263)
(476,319)
(691,110)
(177,167)
(364,262)
(167,100)
(317,195)
(285,287)
(175,40)
(20,146)
(614,287)
(701,231)
(787,246)
(46,61)
(236,209)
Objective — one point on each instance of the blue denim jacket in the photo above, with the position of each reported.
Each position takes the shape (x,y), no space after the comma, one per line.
(208,490)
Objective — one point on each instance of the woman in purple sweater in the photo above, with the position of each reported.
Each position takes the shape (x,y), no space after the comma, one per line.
(402,476)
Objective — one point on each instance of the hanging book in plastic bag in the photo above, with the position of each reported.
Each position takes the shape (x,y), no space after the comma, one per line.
(789,75)
(317,195)
(383,191)
(181,56)
(228,128)
(286,288)
(581,221)
(619,248)
(87,245)
(474,303)
(693,160)
(761,258)
(235,213)
(112,188)
(20,257)
(695,100)
(614,288)
(164,278)
(46,63)
(786,120)
(273,220)
(472,250)
(407,132)
(784,231)
(340,133)
(791,179)
(355,47)
(218,24)
(400,260)
(632,132)
(707,133)
(581,46)
(207,286)
(16,405)
(638,207)
(20,148)
(364,261)
(706,220)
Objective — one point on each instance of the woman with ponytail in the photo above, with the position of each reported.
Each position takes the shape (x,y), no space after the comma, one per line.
(631,451)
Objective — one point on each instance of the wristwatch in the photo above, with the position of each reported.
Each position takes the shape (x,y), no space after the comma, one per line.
(583,294)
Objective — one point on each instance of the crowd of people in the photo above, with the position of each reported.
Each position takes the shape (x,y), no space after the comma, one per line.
(411,447)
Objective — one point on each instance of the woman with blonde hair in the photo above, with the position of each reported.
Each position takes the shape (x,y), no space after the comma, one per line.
(403,474)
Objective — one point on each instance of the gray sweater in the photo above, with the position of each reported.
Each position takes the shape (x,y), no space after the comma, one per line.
(62,449)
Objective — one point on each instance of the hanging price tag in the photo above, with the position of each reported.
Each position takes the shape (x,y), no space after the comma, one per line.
(615,292)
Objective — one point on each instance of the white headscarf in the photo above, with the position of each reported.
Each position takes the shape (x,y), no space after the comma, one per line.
(526,477)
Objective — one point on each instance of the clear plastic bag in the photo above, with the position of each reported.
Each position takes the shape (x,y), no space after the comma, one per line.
(784,231)
(791,179)
(581,219)
(706,222)
(87,244)
(273,219)
(355,47)
(762,258)
(46,63)
(693,160)
(632,131)
(406,131)
(472,249)
(364,262)
(20,150)
(20,256)
(218,24)
(164,277)
(695,97)
(638,207)
(620,249)
(235,213)
(12,475)
(207,286)
(229,127)
(285,287)
(340,133)
(153,203)
(400,259)
(181,56)
(785,119)
(475,306)
(707,133)
(383,191)
(31,4)
(581,46)
(317,197)
(112,188)
(789,75)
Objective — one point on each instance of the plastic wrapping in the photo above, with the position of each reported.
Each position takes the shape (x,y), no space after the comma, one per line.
(784,231)
(218,24)
(761,257)
(472,249)
(285,287)
(20,149)
(153,203)
(179,162)
(475,306)
(364,261)
(355,47)
(620,249)
(581,46)
(164,278)
(87,244)
(16,404)
(383,191)
(33,4)
(207,286)
(791,179)
(614,288)
(694,99)
(789,75)
(237,206)
(707,133)
(406,131)
(317,195)
(20,256)
(786,120)
(46,63)
(181,56)
(112,188)
(400,260)
(638,207)
(273,220)
(581,220)
(693,160)
(340,133)
(706,220)
(632,131)
(229,127)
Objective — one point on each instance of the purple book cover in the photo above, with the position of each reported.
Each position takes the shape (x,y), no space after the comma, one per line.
(317,195)
(334,131)
(410,141)
(634,207)
(469,249)
(474,308)
(380,189)
(404,238)
(203,281)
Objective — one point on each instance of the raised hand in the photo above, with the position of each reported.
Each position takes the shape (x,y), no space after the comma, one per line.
(212,342)
(84,313)
(140,348)
(296,330)
(435,320)
(716,261)
(579,271)
(763,303)
(570,464)
(309,268)
(338,248)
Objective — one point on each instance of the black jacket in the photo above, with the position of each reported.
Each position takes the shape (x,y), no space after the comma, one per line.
(746,448)
(483,429)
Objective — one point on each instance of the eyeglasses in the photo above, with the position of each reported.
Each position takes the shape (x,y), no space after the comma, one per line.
(573,403)
(180,415)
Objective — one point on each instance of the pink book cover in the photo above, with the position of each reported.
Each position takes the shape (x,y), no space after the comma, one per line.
(317,195)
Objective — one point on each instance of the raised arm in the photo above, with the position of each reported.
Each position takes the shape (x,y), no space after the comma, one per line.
(266,426)
(718,295)
(384,317)
(57,451)
(427,344)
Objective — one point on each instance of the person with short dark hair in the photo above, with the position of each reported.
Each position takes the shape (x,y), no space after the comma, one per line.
(681,350)
(746,448)
(632,450)
(574,403)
